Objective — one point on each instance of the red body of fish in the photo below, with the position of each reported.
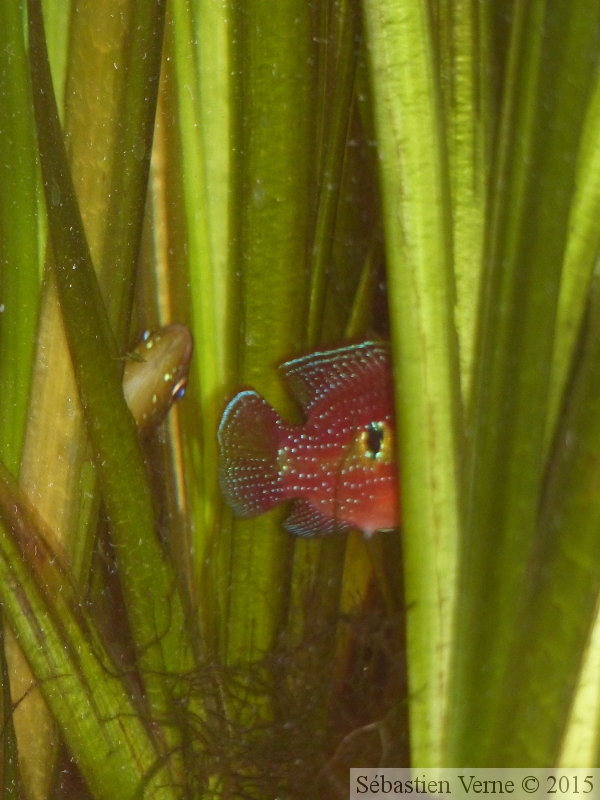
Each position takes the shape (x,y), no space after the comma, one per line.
(339,467)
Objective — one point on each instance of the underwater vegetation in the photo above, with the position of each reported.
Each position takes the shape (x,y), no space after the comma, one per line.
(396,204)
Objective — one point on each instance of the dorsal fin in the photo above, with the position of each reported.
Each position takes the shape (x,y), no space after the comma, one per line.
(312,377)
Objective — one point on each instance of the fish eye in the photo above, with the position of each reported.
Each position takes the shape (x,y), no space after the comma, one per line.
(375,443)
(373,439)
(179,389)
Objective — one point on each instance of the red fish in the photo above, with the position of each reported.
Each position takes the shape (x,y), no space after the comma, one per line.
(339,467)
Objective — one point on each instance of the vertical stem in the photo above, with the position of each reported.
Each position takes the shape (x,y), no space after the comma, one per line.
(417,224)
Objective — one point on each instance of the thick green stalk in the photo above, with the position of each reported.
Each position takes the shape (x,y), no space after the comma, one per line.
(19,261)
(133,148)
(464,76)
(581,253)
(275,49)
(19,272)
(199,43)
(57,19)
(154,607)
(100,724)
(418,240)
(564,578)
(10,753)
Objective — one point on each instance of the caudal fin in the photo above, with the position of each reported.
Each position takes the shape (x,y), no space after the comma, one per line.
(249,442)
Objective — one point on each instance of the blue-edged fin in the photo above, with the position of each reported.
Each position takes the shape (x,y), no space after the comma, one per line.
(249,442)
(305,520)
(314,376)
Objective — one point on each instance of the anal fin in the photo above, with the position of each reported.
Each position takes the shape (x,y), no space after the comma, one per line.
(306,520)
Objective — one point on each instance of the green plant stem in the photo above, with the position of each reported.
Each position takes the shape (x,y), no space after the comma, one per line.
(465,81)
(274,52)
(133,148)
(581,253)
(153,604)
(418,243)
(564,584)
(99,722)
(19,263)
(199,41)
